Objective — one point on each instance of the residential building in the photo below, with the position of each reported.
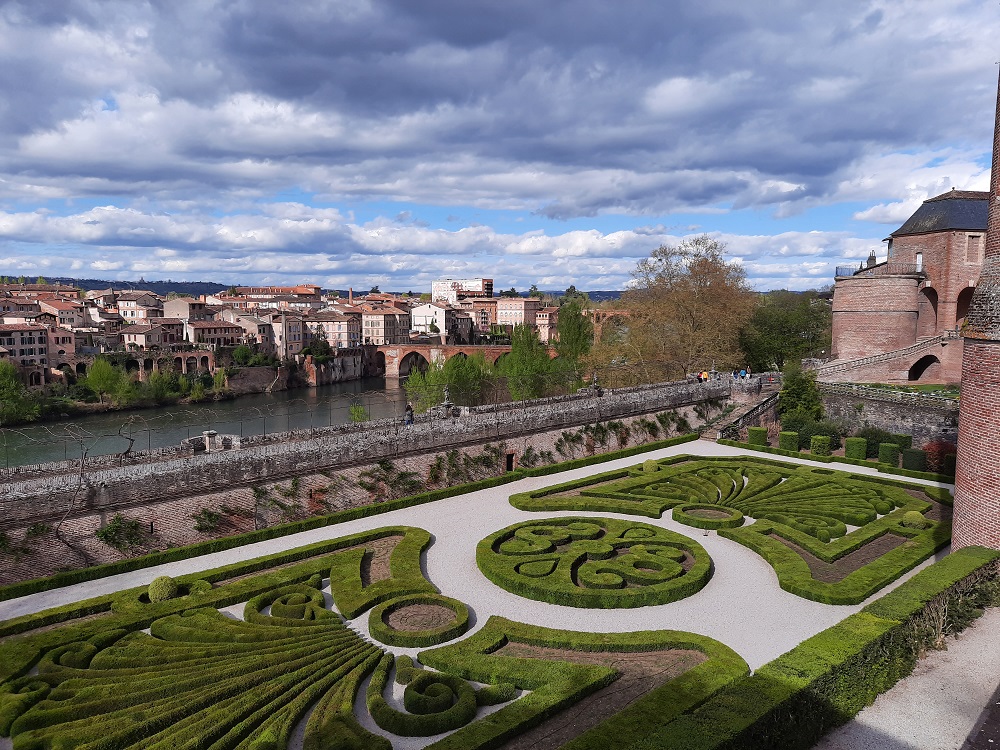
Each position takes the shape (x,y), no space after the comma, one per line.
(133,306)
(25,343)
(69,314)
(382,325)
(341,331)
(142,336)
(213,333)
(483,311)
(186,308)
(452,290)
(289,333)
(513,311)
(546,321)
(432,317)
(258,332)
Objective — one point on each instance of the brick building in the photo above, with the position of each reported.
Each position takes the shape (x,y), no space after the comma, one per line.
(899,320)
(977,479)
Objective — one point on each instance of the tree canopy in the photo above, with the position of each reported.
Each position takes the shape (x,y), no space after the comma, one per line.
(575,333)
(785,326)
(685,310)
(16,403)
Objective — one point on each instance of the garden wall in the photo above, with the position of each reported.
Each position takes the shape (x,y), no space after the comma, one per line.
(46,492)
(925,417)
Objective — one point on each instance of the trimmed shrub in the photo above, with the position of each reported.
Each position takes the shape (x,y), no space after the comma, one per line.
(914,519)
(649,465)
(820,445)
(888,453)
(382,631)
(757,435)
(875,438)
(856,448)
(949,464)
(162,589)
(914,459)
(903,441)
(788,441)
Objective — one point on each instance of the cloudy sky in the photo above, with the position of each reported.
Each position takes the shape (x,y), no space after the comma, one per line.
(391,142)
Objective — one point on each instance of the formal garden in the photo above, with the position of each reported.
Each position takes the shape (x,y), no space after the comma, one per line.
(351,642)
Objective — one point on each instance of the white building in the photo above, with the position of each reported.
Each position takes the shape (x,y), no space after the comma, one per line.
(452,290)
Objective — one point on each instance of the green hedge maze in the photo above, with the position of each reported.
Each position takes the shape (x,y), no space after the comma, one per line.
(830,536)
(258,653)
(594,562)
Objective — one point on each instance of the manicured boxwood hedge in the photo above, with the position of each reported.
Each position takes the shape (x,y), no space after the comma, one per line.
(572,548)
(383,632)
(882,467)
(757,435)
(66,578)
(914,459)
(791,702)
(819,445)
(856,448)
(555,685)
(788,440)
(683,514)
(888,453)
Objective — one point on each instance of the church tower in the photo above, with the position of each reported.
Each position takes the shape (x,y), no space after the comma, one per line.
(977,477)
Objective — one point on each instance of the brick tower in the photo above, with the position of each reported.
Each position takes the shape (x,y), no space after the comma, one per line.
(977,479)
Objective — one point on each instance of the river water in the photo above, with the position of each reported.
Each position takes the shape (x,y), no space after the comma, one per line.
(254,414)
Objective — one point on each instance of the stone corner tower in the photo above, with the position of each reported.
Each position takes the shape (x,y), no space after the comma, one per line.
(977,478)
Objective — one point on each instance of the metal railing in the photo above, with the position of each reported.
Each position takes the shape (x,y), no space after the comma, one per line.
(886,268)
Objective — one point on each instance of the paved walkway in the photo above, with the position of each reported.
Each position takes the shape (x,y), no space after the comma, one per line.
(742,606)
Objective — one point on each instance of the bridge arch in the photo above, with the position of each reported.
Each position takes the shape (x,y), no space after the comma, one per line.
(412,361)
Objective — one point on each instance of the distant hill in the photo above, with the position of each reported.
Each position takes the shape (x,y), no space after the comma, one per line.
(192,288)
(196,288)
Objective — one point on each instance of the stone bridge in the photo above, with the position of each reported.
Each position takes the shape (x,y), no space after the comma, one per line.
(400,359)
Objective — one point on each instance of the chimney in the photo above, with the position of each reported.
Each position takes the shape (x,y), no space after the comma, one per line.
(350,295)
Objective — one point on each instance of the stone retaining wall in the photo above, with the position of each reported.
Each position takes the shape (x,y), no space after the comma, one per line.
(155,478)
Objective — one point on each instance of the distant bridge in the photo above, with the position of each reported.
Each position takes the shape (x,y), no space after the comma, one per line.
(400,359)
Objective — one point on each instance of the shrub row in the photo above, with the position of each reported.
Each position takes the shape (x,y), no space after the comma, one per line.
(791,702)
(884,468)
(66,578)
(555,685)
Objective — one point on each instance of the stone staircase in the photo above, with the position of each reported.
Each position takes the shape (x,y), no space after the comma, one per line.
(765,400)
(845,365)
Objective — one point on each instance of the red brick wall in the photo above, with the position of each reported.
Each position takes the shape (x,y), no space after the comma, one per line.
(977,481)
(872,315)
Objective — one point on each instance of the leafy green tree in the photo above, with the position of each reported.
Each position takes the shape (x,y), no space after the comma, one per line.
(470,381)
(512,292)
(575,332)
(572,294)
(16,402)
(533,292)
(799,393)
(528,367)
(41,280)
(103,378)
(242,355)
(784,326)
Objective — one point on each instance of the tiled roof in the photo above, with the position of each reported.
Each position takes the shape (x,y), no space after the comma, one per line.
(954,210)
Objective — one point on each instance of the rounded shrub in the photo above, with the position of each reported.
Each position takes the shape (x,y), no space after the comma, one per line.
(888,453)
(856,448)
(914,519)
(820,445)
(788,440)
(757,435)
(650,465)
(162,589)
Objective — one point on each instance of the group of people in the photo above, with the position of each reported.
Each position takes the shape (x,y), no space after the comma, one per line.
(741,374)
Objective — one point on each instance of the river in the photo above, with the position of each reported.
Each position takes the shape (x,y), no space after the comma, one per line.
(253,414)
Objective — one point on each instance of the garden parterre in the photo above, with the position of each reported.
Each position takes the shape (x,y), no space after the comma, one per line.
(288,618)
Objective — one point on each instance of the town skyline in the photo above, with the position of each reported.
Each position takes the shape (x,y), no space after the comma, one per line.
(381,145)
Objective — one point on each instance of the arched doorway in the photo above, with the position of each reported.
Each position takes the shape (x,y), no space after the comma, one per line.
(927,309)
(962,306)
(926,368)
